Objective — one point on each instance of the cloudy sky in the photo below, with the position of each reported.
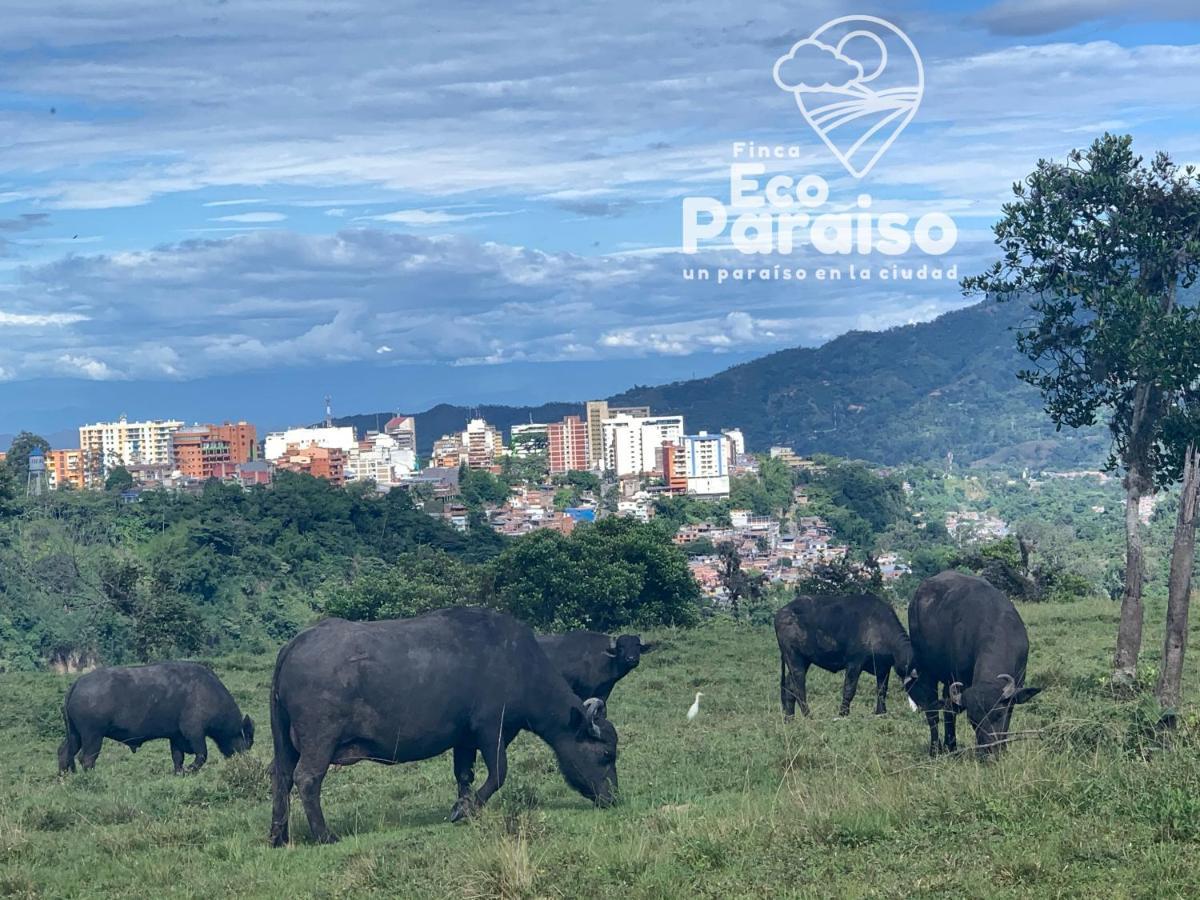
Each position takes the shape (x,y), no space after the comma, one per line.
(225,208)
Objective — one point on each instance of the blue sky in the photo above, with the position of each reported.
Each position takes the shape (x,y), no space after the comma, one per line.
(206,207)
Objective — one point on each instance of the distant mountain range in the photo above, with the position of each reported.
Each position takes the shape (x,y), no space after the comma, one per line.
(913,393)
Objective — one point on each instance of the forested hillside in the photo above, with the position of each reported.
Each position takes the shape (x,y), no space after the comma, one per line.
(912,393)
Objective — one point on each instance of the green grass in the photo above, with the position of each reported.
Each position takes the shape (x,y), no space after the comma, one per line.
(734,804)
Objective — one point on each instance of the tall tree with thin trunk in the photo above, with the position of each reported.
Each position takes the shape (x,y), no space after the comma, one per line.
(1179,590)
(1099,246)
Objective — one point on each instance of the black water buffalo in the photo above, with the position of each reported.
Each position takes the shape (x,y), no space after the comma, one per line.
(182,702)
(593,662)
(967,636)
(855,632)
(401,690)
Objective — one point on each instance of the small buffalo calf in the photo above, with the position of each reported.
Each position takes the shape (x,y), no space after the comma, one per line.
(854,632)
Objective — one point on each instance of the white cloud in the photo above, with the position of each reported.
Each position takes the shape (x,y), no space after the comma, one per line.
(39,319)
(252,218)
(280,299)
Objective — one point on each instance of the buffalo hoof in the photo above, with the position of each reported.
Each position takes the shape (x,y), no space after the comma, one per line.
(327,838)
(278,837)
(463,808)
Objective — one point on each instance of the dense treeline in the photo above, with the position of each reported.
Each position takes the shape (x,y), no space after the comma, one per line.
(87,575)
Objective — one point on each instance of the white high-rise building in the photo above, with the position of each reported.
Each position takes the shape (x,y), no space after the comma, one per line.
(737,443)
(707,464)
(107,445)
(633,445)
(334,438)
(403,430)
(381,458)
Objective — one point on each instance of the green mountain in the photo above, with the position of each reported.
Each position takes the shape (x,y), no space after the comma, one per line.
(916,392)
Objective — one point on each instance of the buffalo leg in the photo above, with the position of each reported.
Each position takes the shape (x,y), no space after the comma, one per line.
(881,689)
(495,756)
(849,688)
(283,768)
(177,756)
(309,774)
(935,742)
(793,687)
(464,774)
(67,751)
(91,750)
(199,747)
(949,718)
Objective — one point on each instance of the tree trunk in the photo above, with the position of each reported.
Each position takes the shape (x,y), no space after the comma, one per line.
(1183,560)
(1129,632)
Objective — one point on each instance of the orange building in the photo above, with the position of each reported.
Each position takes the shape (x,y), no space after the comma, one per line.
(568,445)
(674,468)
(66,468)
(320,462)
(202,451)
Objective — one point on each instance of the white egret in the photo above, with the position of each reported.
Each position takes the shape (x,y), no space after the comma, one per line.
(694,710)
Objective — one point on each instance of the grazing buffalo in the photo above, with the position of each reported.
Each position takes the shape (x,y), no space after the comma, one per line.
(854,632)
(967,636)
(182,702)
(401,690)
(593,662)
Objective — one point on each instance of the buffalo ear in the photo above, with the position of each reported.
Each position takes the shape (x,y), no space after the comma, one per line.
(1025,694)
(647,648)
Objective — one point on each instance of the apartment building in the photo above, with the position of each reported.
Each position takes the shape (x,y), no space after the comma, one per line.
(706,464)
(596,412)
(206,451)
(483,445)
(333,438)
(320,462)
(402,430)
(568,445)
(633,445)
(106,445)
(65,468)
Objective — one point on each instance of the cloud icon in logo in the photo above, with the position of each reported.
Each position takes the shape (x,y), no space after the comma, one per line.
(813,66)
(858,81)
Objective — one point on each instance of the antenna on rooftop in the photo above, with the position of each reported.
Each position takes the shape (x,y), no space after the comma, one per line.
(328,411)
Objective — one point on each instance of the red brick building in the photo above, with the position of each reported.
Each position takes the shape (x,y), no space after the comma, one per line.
(202,451)
(568,445)
(320,462)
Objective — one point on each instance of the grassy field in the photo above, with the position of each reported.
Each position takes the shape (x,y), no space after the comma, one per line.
(734,804)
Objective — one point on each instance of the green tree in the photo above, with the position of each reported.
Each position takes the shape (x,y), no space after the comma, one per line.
(606,575)
(1100,246)
(418,582)
(740,585)
(480,488)
(118,480)
(17,460)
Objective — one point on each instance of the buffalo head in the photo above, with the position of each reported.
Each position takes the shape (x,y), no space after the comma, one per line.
(241,741)
(989,707)
(587,753)
(626,651)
